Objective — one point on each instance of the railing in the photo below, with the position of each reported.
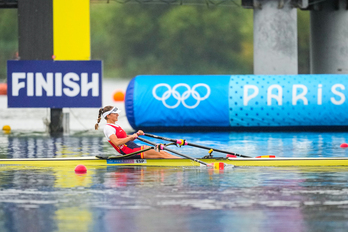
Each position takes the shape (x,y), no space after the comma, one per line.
(233,3)
(248,4)
(8,3)
(209,3)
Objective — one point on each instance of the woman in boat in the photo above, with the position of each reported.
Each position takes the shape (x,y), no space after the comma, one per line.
(122,142)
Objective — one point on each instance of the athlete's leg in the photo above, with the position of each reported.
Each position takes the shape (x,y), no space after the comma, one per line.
(152,154)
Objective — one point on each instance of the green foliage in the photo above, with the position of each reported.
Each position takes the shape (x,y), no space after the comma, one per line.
(303,25)
(8,39)
(203,41)
(160,39)
(134,39)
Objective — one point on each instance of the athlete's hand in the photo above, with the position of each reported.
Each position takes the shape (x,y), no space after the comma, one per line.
(133,137)
(140,132)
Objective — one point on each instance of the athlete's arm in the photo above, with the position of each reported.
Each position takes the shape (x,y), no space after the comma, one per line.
(140,132)
(120,141)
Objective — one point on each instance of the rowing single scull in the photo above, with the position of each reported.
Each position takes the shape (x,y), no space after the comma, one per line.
(93,161)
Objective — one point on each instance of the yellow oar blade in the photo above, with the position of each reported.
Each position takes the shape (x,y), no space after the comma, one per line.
(217,166)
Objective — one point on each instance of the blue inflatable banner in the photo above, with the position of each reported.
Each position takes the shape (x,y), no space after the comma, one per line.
(54,84)
(224,101)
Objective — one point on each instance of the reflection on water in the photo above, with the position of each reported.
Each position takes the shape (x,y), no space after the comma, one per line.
(174,199)
(36,147)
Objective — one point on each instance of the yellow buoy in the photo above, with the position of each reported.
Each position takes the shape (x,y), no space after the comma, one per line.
(6,129)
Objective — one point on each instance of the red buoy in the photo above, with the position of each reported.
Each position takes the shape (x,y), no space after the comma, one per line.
(344,145)
(80,168)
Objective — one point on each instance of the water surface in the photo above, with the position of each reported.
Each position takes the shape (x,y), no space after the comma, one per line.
(174,199)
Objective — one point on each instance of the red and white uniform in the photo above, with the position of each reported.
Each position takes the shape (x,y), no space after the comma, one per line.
(126,148)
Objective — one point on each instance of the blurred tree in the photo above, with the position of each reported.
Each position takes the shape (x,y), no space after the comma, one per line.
(8,39)
(303,27)
(161,39)
(197,40)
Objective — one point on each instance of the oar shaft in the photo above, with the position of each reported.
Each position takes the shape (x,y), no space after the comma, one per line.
(175,152)
(196,145)
(160,137)
(218,150)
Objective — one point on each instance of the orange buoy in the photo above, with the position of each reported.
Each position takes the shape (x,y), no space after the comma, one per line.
(119,96)
(3,89)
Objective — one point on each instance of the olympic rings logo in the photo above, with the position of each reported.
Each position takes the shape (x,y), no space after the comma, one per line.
(181,98)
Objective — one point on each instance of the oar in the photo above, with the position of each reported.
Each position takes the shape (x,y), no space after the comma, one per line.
(219,166)
(184,142)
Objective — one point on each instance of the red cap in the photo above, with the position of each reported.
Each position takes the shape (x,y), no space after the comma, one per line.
(231,156)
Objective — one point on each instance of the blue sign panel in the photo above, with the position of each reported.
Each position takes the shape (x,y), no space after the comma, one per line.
(288,100)
(178,101)
(54,84)
(243,101)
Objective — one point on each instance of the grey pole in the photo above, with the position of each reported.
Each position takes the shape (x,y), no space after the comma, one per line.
(35,28)
(275,37)
(329,38)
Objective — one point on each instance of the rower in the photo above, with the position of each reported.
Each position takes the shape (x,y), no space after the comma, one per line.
(122,142)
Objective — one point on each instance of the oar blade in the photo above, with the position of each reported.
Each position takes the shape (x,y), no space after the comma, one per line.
(219,166)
